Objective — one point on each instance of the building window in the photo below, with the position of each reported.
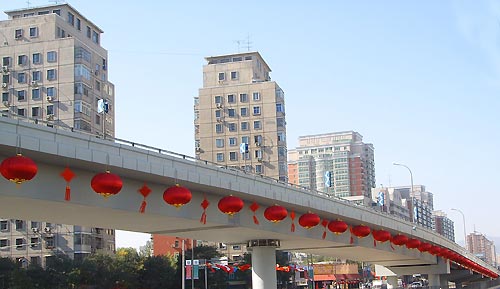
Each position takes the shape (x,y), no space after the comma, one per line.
(280,107)
(218,113)
(19,243)
(236,247)
(6,61)
(232,141)
(22,60)
(35,261)
(258,140)
(230,98)
(281,136)
(35,94)
(97,119)
(219,143)
(234,75)
(49,242)
(281,151)
(18,33)
(244,111)
(5,96)
(33,32)
(82,71)
(78,24)
(256,110)
(21,77)
(280,122)
(4,243)
(71,19)
(89,32)
(51,56)
(97,85)
(258,169)
(95,37)
(231,112)
(21,112)
(82,53)
(57,11)
(233,156)
(6,78)
(222,76)
(257,124)
(51,91)
(34,242)
(50,109)
(231,126)
(256,96)
(220,157)
(4,225)
(218,99)
(244,125)
(21,95)
(243,97)
(19,224)
(218,128)
(245,139)
(36,75)
(51,74)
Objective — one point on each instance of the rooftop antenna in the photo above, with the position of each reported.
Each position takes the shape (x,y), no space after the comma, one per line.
(248,42)
(28,3)
(56,2)
(244,43)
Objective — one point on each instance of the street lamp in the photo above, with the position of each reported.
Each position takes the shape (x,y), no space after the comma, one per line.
(411,190)
(463,219)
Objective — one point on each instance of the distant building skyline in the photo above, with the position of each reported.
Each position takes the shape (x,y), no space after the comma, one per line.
(479,245)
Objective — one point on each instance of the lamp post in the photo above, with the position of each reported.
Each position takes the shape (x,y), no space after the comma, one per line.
(411,190)
(463,219)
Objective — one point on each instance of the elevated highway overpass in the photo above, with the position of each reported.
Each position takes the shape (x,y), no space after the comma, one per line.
(52,149)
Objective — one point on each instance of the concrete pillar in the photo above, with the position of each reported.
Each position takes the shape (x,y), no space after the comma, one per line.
(264,263)
(392,280)
(437,281)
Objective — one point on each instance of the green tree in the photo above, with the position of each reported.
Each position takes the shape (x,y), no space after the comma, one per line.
(7,266)
(158,272)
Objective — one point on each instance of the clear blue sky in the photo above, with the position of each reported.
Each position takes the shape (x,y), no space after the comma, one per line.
(418,79)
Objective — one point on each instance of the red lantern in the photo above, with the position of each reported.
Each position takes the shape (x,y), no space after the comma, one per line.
(435,250)
(424,247)
(413,243)
(309,220)
(360,231)
(381,235)
(337,226)
(18,169)
(230,205)
(399,240)
(177,196)
(275,213)
(106,184)
(144,191)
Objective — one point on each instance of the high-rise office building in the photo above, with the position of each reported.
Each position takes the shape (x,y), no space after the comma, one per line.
(54,72)
(483,248)
(444,225)
(336,163)
(240,116)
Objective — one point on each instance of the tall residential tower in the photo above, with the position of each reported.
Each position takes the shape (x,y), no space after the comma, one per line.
(54,72)
(240,116)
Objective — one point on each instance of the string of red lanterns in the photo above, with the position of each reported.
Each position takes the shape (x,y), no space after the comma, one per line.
(19,169)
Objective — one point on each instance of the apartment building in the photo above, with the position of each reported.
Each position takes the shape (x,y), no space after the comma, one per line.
(54,72)
(444,225)
(338,163)
(240,116)
(479,245)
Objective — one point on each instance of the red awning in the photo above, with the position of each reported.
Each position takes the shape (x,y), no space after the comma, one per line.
(328,277)
(340,276)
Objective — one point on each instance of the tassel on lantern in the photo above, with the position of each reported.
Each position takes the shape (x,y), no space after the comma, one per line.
(204,205)
(324,223)
(67,175)
(292,216)
(254,207)
(144,191)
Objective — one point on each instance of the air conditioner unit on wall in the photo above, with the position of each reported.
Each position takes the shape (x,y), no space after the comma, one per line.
(6,104)
(50,117)
(34,83)
(219,105)
(4,85)
(5,69)
(49,98)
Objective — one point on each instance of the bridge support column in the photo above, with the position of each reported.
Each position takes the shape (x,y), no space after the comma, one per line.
(437,281)
(263,263)
(393,280)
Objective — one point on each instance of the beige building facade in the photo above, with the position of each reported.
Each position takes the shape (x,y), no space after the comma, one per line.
(240,116)
(54,69)
(54,72)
